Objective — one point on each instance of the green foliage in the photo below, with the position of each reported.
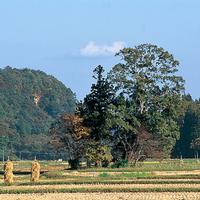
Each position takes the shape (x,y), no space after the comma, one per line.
(147,76)
(188,144)
(96,105)
(29,102)
(120,164)
(98,153)
(195,144)
(136,112)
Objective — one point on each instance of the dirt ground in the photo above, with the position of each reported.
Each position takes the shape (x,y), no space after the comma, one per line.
(105,196)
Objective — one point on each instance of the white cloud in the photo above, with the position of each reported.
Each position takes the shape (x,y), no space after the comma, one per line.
(92,49)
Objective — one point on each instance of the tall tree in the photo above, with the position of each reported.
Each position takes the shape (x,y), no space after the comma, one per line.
(147,76)
(130,140)
(96,106)
(68,135)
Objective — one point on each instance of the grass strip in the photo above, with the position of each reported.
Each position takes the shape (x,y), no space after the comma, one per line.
(148,168)
(94,190)
(189,176)
(110,182)
(127,176)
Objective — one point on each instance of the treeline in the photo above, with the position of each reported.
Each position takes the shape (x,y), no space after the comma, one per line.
(136,111)
(188,145)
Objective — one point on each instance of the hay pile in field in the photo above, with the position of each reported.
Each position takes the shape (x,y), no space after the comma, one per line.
(35,171)
(8,172)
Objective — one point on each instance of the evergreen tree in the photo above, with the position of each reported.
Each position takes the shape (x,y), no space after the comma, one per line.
(96,106)
(190,129)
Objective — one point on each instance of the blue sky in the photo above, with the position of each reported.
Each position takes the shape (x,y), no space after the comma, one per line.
(68,38)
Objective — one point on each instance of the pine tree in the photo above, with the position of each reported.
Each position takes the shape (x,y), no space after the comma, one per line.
(96,106)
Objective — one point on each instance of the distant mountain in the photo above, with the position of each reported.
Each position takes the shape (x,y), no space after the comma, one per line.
(30,101)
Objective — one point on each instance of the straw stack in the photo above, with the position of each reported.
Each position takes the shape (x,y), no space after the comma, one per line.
(8,172)
(35,171)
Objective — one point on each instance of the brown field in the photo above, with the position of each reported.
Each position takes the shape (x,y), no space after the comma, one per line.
(115,186)
(105,196)
(184,179)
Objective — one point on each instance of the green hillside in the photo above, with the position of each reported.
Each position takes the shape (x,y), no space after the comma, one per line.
(29,102)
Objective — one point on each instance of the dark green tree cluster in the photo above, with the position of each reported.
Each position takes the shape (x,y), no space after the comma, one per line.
(189,144)
(137,110)
(29,102)
(147,78)
(144,105)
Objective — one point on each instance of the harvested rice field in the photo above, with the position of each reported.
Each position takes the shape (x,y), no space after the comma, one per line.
(57,182)
(102,196)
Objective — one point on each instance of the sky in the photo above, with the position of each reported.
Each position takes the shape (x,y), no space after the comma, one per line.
(69,38)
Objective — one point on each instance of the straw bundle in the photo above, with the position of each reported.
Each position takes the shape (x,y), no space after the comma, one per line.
(8,172)
(35,171)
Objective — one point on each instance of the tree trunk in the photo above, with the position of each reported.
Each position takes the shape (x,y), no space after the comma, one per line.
(74,164)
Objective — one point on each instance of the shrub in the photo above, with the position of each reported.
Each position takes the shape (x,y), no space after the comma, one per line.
(99,154)
(120,164)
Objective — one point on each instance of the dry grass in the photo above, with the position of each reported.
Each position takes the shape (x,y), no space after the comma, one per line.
(35,171)
(8,172)
(100,186)
(130,183)
(109,196)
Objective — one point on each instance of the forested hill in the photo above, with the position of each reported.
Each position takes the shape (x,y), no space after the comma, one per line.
(30,100)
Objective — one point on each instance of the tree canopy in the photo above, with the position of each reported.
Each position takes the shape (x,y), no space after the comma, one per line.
(29,102)
(137,110)
(147,77)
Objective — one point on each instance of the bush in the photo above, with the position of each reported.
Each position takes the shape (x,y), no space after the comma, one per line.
(120,164)
(99,154)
